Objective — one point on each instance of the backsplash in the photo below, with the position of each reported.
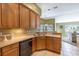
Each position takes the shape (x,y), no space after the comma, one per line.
(14,31)
(9,33)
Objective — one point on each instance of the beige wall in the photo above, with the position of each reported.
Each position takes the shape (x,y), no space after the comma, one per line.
(34,7)
(47,21)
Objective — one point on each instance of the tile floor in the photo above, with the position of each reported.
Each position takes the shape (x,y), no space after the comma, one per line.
(67,50)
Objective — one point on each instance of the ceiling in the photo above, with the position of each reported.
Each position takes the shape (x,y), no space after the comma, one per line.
(52,10)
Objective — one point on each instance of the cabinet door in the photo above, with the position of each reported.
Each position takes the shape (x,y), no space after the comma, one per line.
(57,44)
(34,44)
(0,52)
(41,43)
(11,50)
(10,15)
(32,20)
(0,14)
(49,43)
(24,17)
(37,21)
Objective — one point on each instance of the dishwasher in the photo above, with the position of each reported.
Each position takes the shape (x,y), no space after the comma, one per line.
(25,48)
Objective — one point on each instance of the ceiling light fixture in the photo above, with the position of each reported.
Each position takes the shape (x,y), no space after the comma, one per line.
(55,7)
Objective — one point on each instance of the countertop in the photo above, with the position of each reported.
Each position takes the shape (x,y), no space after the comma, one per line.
(16,39)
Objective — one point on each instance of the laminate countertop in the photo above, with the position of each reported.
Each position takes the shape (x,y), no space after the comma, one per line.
(16,39)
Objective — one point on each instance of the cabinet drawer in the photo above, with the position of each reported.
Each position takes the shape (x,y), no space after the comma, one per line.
(13,52)
(7,48)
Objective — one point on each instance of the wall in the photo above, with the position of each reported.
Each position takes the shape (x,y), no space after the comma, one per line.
(59,29)
(34,7)
(18,31)
(68,24)
(68,17)
(47,21)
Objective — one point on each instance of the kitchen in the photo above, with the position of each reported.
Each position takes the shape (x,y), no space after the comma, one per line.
(19,33)
(37,29)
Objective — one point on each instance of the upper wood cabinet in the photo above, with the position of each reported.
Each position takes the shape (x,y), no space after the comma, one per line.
(13,15)
(24,17)
(32,20)
(0,15)
(37,21)
(10,15)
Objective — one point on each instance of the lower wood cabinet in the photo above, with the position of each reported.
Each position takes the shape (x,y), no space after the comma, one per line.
(11,50)
(54,44)
(0,52)
(41,43)
(34,44)
(57,44)
(47,42)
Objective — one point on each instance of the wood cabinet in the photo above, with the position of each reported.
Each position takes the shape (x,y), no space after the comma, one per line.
(57,44)
(13,15)
(34,44)
(32,20)
(10,15)
(0,14)
(0,52)
(54,44)
(41,43)
(11,50)
(24,17)
(49,43)
(37,21)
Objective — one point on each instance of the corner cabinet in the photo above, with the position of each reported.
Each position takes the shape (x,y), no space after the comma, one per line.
(41,43)
(38,43)
(10,15)
(47,43)
(24,17)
